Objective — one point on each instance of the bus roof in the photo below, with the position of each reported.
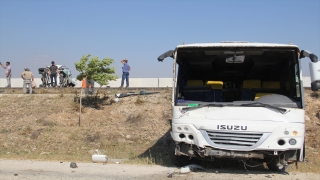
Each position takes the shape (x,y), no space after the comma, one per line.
(238,44)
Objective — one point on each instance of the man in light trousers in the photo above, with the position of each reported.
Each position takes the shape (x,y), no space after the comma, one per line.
(27,77)
(7,67)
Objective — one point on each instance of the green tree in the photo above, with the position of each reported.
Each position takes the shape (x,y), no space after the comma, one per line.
(96,69)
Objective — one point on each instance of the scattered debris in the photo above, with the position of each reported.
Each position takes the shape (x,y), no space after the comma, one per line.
(121,95)
(194,167)
(99,158)
(117,161)
(73,165)
(142,92)
(191,167)
(184,170)
(171,172)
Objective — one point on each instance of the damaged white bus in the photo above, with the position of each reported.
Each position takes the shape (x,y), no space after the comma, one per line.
(239,100)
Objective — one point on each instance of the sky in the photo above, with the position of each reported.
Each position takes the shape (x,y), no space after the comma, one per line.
(35,32)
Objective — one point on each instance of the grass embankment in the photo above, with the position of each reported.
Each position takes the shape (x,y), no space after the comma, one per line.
(46,126)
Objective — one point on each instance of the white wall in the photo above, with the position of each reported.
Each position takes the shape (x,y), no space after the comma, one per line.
(134,82)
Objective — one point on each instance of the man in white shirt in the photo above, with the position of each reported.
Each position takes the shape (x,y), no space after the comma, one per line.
(7,67)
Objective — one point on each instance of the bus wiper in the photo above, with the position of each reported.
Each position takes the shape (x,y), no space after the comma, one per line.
(258,104)
(201,106)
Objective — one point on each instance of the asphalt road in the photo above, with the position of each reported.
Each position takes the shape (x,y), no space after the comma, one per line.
(45,170)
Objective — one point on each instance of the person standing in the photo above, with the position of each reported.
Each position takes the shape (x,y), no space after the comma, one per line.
(84,81)
(27,77)
(90,86)
(125,73)
(7,67)
(53,71)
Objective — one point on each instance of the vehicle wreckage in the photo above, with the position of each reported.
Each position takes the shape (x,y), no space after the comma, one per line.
(64,77)
(239,100)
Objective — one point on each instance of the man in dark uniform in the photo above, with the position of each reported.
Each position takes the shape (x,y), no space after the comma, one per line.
(53,71)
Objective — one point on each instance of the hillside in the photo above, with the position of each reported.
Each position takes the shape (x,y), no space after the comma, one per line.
(45,126)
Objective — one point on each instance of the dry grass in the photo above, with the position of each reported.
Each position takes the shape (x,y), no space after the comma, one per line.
(46,126)
(139,101)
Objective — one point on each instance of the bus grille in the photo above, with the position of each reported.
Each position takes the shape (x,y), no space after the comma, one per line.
(234,138)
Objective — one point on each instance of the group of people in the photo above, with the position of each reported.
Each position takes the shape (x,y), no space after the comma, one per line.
(28,77)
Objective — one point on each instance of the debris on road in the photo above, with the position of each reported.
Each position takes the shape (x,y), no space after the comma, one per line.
(184,170)
(117,161)
(171,172)
(99,158)
(73,165)
(191,167)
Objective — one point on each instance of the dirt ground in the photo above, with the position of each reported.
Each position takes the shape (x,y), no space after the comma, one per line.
(134,130)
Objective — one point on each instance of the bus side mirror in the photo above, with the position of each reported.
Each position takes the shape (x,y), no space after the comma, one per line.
(165,55)
(315,75)
(314,67)
(312,56)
